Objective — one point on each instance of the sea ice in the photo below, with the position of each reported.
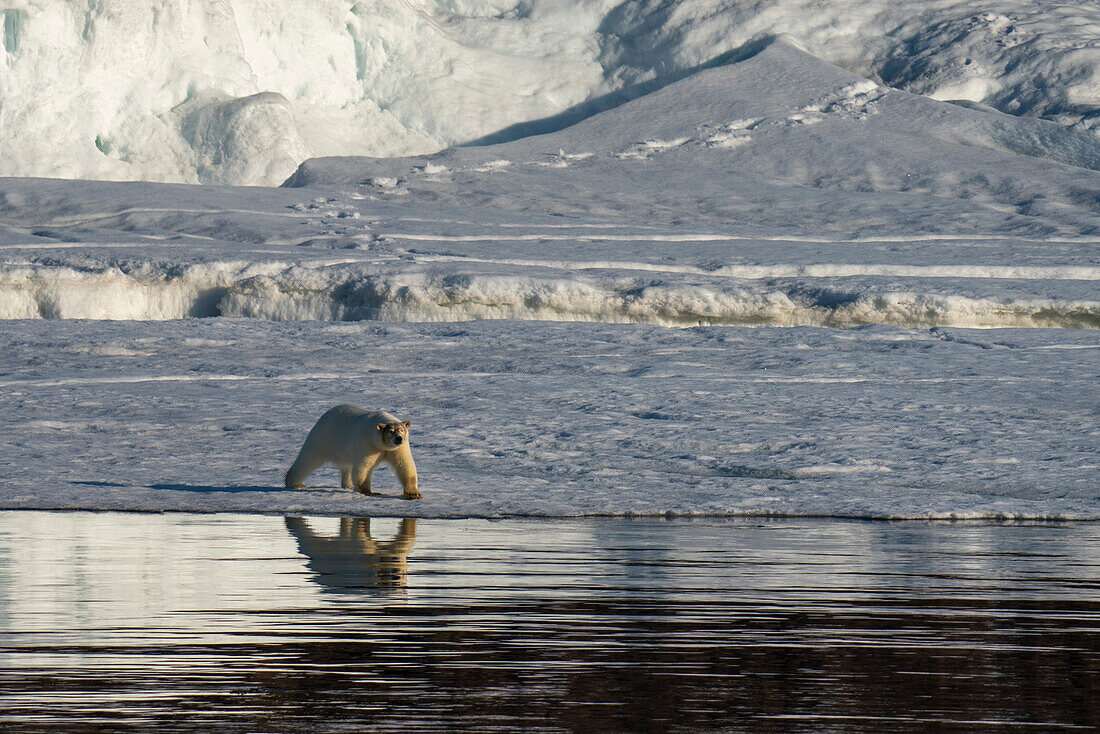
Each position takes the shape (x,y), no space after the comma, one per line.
(542,419)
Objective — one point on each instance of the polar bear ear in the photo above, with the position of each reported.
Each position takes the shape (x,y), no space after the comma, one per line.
(407,424)
(381,427)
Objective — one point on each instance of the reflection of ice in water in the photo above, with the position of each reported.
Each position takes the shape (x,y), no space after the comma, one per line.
(354,559)
(68,571)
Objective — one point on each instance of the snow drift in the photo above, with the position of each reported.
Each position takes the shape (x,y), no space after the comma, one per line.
(241,92)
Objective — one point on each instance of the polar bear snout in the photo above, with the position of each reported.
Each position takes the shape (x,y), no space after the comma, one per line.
(393,434)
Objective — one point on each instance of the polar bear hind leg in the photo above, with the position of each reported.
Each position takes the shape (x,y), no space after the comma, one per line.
(361,473)
(306,463)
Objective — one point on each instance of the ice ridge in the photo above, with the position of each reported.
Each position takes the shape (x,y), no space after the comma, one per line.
(781,295)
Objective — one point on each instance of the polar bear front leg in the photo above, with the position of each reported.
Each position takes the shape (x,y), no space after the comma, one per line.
(361,472)
(401,459)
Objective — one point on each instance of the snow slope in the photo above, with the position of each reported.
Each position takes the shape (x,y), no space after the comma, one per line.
(240,92)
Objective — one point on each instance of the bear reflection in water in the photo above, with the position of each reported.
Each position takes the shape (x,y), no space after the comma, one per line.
(353,559)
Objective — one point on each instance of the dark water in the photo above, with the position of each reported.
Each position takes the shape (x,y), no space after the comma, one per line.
(114,622)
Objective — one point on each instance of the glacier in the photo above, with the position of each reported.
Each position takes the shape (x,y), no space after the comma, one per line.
(242,92)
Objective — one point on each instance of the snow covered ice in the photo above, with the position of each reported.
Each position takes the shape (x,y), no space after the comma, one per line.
(890,299)
(543,419)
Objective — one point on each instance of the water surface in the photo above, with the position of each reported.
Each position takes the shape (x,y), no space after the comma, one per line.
(123,622)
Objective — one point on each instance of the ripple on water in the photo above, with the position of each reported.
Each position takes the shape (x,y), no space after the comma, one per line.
(252,623)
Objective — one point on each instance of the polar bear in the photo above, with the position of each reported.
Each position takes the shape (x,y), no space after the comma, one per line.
(354,558)
(355,440)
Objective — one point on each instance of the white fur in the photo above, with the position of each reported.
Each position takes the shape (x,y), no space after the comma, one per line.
(348,437)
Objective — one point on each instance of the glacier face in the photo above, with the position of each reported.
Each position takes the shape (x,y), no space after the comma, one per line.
(241,91)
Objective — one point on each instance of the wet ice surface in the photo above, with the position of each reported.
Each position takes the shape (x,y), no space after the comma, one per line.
(252,623)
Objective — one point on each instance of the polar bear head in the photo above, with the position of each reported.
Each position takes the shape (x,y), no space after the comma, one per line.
(393,434)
